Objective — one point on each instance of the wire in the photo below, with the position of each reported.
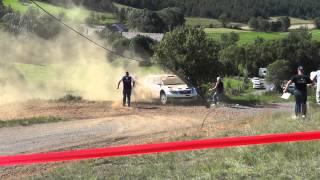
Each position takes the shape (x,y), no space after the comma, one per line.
(82,35)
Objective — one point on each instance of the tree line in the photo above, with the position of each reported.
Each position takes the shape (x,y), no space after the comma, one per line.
(235,10)
(200,59)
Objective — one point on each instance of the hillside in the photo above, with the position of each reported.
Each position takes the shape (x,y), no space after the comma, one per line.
(76,14)
(240,10)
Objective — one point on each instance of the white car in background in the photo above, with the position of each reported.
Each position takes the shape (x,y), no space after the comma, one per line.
(258,83)
(169,87)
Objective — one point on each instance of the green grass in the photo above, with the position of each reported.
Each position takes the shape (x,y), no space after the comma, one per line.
(249,99)
(29,121)
(194,21)
(278,161)
(75,14)
(36,73)
(245,36)
(251,36)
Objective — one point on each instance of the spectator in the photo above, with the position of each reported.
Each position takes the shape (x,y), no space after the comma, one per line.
(316,79)
(219,87)
(301,81)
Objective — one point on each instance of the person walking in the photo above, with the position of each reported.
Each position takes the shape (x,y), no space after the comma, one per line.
(316,79)
(128,84)
(219,87)
(301,81)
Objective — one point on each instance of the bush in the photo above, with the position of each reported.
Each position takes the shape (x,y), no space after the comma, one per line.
(278,72)
(70,98)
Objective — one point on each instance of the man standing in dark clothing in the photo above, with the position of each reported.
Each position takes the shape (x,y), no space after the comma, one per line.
(219,90)
(128,83)
(301,81)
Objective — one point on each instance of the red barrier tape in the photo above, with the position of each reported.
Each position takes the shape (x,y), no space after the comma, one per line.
(156,148)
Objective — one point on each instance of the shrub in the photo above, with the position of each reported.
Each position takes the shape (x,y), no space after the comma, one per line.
(70,98)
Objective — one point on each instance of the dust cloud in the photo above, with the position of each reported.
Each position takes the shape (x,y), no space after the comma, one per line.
(35,68)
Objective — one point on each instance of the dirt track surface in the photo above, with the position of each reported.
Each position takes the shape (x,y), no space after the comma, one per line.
(99,124)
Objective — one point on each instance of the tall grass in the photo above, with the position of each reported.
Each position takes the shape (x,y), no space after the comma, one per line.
(29,121)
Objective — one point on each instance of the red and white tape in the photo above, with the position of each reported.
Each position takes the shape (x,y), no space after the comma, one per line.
(157,148)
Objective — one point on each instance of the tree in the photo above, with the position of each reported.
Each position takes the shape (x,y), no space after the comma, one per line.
(146,21)
(2,9)
(317,22)
(278,71)
(275,26)
(143,47)
(233,59)
(172,17)
(263,24)
(191,53)
(285,23)
(121,15)
(253,23)
(223,18)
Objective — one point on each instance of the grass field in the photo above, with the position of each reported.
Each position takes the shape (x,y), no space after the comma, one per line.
(36,73)
(245,36)
(39,74)
(278,161)
(194,21)
(297,21)
(251,36)
(76,14)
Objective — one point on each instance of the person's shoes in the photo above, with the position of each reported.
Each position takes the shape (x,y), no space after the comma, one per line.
(303,116)
(294,117)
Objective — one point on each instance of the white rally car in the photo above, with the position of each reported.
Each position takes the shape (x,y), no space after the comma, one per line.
(169,87)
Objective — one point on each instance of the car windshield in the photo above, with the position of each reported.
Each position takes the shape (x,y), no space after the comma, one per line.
(173,81)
